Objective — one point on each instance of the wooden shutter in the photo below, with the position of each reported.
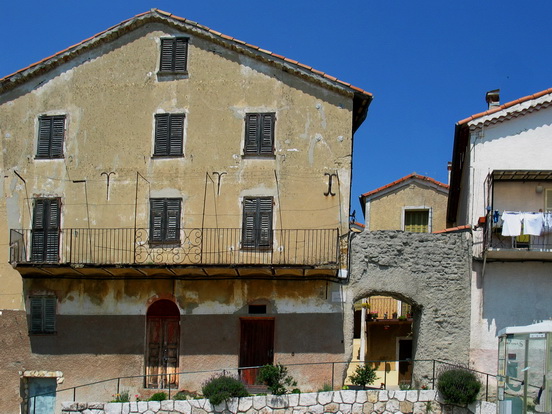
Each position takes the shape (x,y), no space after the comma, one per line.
(267,134)
(156,219)
(257,222)
(51,131)
(252,133)
(265,222)
(36,314)
(45,233)
(173,220)
(174,55)
(180,54)
(416,221)
(167,47)
(43,314)
(249,216)
(161,134)
(176,134)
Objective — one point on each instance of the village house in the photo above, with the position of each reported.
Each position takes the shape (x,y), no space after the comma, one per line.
(501,186)
(154,218)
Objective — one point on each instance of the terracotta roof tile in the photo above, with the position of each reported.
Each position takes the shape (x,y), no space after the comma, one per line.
(506,105)
(400,180)
(454,229)
(213,32)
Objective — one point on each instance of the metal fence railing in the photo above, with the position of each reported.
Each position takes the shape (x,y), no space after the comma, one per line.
(319,375)
(220,246)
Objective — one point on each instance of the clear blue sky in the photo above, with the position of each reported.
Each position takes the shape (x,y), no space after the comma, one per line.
(428,63)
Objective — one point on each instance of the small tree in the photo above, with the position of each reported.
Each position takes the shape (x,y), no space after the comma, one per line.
(276,378)
(364,375)
(222,388)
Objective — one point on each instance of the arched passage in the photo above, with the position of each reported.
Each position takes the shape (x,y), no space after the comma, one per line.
(383,337)
(429,271)
(162,344)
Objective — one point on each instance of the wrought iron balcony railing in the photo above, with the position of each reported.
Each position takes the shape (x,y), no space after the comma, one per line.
(83,246)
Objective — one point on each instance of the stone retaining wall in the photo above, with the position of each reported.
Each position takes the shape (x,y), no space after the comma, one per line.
(347,401)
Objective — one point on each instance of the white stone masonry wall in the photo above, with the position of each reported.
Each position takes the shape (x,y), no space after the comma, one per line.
(346,401)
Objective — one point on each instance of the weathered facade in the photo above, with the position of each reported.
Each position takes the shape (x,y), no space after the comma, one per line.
(501,185)
(155,179)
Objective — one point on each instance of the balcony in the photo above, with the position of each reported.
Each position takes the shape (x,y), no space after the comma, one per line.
(520,247)
(198,253)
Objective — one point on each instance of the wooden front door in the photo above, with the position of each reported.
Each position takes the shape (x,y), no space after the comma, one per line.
(163,343)
(256,346)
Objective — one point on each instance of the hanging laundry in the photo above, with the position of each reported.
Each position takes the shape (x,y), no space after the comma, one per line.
(533,223)
(511,223)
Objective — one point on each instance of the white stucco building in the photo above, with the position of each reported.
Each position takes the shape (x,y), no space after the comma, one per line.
(501,184)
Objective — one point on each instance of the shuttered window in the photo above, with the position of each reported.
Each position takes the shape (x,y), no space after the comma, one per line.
(165,220)
(51,133)
(174,55)
(416,221)
(45,232)
(169,134)
(257,222)
(43,314)
(548,200)
(259,134)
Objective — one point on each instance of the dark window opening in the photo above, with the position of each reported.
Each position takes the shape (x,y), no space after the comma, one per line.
(174,55)
(169,135)
(43,314)
(51,133)
(165,220)
(259,134)
(257,309)
(257,223)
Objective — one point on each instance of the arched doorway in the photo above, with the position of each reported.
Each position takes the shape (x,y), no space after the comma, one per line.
(162,344)
(383,338)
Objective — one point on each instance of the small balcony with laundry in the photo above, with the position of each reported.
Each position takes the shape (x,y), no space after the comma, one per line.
(518,221)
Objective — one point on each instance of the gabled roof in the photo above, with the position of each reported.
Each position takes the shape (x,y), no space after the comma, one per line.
(402,182)
(361,98)
(505,112)
(511,109)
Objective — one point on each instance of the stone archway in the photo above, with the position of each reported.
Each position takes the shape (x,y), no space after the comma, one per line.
(430,271)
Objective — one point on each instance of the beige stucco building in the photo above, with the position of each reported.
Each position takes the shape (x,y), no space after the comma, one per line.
(174,200)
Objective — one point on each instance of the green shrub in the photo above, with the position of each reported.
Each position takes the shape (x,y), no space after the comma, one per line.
(458,386)
(326,387)
(222,388)
(158,396)
(363,376)
(185,395)
(276,378)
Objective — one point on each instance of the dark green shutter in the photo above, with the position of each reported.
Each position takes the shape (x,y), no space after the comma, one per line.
(267,134)
(43,314)
(49,314)
(36,314)
(251,133)
(51,132)
(45,232)
(169,134)
(176,134)
(165,219)
(174,55)
(257,222)
(161,134)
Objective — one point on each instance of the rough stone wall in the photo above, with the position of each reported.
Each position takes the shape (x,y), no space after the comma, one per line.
(323,402)
(430,271)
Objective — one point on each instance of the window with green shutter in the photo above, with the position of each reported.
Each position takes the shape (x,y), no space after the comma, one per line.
(165,220)
(51,133)
(45,231)
(416,221)
(259,134)
(174,55)
(257,223)
(42,314)
(169,135)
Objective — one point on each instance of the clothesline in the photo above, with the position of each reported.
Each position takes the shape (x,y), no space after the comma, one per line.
(516,223)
